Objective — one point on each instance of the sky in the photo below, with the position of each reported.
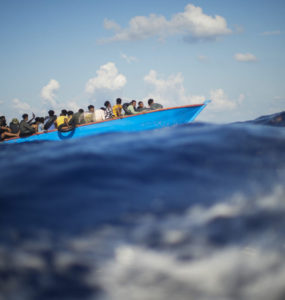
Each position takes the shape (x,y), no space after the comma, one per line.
(58,54)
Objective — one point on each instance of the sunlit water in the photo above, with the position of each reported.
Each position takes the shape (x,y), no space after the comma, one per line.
(189,212)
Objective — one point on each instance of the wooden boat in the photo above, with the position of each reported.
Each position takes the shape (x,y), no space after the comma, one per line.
(149,120)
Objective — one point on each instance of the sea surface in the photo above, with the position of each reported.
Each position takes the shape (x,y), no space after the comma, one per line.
(188,212)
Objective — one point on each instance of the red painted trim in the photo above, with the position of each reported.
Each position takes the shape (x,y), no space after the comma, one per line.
(123,117)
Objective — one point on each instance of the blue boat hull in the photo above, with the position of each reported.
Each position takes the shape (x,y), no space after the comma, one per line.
(145,121)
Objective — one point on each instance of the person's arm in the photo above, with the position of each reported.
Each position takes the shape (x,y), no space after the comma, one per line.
(102,112)
(119,111)
(28,127)
(72,121)
(132,110)
(5,128)
(66,122)
(32,119)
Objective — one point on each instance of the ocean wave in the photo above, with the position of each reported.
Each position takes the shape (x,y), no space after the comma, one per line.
(189,212)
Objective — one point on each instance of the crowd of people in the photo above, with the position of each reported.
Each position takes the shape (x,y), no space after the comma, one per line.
(68,119)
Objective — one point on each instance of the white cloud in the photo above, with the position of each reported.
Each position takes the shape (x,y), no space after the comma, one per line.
(108,77)
(274,32)
(220,100)
(111,25)
(245,57)
(171,92)
(193,24)
(20,106)
(128,59)
(48,92)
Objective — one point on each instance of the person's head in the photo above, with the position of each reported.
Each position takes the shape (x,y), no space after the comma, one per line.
(91,108)
(42,120)
(63,112)
(25,117)
(3,121)
(119,101)
(133,103)
(15,121)
(81,111)
(37,120)
(140,104)
(150,102)
(107,104)
(70,113)
(51,113)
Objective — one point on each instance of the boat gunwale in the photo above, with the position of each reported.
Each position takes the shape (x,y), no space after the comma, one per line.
(113,119)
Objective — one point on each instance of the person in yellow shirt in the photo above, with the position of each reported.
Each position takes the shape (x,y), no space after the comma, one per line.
(117,109)
(62,120)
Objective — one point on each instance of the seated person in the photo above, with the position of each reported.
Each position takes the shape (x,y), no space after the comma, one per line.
(78,117)
(41,125)
(62,120)
(69,122)
(36,123)
(49,123)
(108,111)
(132,106)
(100,114)
(15,126)
(6,132)
(89,116)
(141,107)
(25,128)
(117,109)
(154,106)
(125,108)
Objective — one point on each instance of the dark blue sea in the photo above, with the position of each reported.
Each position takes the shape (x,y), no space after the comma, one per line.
(188,212)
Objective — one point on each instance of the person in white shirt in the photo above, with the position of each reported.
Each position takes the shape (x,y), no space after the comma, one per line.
(99,115)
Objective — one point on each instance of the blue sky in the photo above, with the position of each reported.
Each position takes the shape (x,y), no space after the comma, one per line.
(57,54)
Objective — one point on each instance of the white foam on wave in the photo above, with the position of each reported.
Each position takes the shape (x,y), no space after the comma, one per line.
(244,271)
(161,258)
(142,274)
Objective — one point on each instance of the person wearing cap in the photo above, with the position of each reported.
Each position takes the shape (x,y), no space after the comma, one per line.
(5,131)
(15,126)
